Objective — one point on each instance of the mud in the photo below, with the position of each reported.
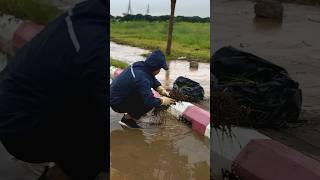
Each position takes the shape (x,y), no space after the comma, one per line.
(172,151)
(293,44)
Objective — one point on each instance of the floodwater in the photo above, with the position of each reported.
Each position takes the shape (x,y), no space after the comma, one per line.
(293,44)
(168,152)
(176,68)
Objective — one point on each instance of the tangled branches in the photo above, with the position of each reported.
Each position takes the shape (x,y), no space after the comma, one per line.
(226,112)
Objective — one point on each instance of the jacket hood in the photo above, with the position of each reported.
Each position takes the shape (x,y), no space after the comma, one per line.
(91,9)
(156,61)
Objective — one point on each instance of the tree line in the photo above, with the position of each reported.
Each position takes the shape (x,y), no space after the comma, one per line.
(141,17)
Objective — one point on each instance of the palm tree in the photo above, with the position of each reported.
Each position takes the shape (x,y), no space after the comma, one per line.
(170,30)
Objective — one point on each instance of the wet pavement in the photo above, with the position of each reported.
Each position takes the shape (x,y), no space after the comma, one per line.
(125,53)
(13,169)
(293,44)
(170,151)
(176,68)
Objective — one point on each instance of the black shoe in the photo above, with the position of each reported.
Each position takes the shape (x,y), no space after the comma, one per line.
(129,123)
(44,174)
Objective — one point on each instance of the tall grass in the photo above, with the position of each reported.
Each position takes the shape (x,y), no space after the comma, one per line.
(39,11)
(191,40)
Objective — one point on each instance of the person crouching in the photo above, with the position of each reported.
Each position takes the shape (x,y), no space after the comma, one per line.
(131,93)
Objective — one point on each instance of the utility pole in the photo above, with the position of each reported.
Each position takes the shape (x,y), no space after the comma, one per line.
(170,30)
(148,9)
(129,8)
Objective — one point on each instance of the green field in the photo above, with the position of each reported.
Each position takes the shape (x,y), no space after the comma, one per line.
(191,40)
(40,11)
(118,64)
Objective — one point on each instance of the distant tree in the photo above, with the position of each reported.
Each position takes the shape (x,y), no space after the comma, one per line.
(170,28)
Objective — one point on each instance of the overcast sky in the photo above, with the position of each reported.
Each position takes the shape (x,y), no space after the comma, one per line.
(162,7)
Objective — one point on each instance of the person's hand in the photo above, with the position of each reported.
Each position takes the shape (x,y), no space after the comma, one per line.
(162,91)
(167,101)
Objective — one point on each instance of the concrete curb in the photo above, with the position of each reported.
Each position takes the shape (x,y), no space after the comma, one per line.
(8,26)
(14,33)
(267,159)
(199,118)
(248,154)
(242,152)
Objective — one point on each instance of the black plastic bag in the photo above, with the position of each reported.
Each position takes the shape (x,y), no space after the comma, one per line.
(185,89)
(264,94)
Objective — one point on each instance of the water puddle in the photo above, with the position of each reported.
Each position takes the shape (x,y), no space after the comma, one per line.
(166,152)
(127,53)
(291,43)
(176,68)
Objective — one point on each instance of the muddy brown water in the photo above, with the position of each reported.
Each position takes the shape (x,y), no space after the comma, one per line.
(176,68)
(293,44)
(172,151)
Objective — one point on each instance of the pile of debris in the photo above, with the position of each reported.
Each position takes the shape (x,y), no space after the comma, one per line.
(251,92)
(184,89)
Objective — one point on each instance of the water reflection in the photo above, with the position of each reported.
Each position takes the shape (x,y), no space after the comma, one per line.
(176,68)
(167,78)
(170,152)
(182,68)
(137,159)
(264,24)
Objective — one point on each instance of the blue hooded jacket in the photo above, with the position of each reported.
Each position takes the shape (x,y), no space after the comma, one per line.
(139,78)
(60,75)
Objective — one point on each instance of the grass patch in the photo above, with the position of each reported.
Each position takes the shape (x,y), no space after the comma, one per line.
(39,11)
(118,63)
(191,40)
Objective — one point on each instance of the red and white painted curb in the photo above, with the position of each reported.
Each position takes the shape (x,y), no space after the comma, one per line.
(199,118)
(268,159)
(254,156)
(225,148)
(14,33)
(248,154)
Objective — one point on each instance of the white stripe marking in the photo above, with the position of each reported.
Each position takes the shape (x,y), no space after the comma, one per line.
(207,132)
(179,108)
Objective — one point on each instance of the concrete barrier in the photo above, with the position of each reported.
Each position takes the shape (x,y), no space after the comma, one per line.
(24,33)
(247,153)
(8,26)
(14,33)
(267,159)
(199,118)
(225,148)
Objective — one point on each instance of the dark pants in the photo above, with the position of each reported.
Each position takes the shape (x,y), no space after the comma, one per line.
(80,151)
(133,105)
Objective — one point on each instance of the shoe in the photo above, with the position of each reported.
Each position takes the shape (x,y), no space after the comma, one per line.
(44,174)
(129,123)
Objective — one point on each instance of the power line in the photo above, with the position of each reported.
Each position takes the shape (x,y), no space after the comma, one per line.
(148,10)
